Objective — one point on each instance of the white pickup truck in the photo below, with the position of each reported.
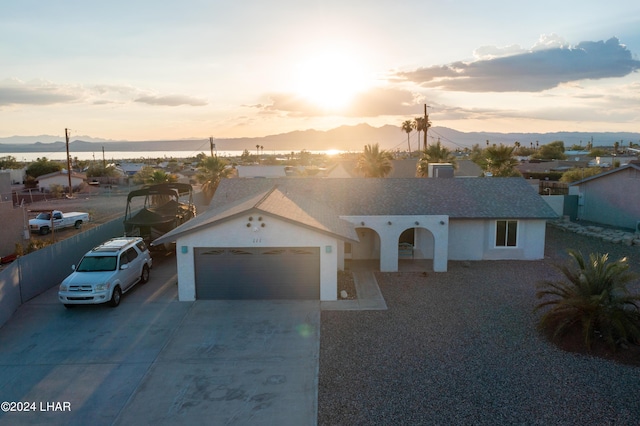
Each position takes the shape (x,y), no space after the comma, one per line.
(43,222)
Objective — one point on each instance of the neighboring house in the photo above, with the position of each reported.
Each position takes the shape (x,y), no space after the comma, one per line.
(610,198)
(130,169)
(550,166)
(287,238)
(405,168)
(611,161)
(17,176)
(260,171)
(60,178)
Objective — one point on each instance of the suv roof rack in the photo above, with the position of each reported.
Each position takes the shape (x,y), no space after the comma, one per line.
(114,244)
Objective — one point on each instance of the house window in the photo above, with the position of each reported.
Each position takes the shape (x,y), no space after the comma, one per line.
(506,233)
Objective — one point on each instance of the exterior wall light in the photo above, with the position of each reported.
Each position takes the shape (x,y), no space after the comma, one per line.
(442,222)
(417,223)
(362,223)
(389,223)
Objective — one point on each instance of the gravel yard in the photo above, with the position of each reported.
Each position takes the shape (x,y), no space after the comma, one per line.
(461,347)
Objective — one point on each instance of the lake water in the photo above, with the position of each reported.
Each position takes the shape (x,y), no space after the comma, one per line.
(138,156)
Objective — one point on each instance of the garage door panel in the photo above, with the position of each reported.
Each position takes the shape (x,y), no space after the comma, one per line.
(258,273)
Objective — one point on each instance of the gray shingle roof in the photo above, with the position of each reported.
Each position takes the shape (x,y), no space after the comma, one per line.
(458,198)
(272,202)
(319,203)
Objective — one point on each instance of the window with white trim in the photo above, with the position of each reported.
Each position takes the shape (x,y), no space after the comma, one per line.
(506,233)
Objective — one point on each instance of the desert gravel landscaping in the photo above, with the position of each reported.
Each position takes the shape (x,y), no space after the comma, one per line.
(461,347)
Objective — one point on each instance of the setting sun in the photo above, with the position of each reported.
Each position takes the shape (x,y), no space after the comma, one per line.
(329,80)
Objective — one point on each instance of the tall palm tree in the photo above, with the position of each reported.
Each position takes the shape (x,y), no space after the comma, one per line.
(422,124)
(437,153)
(210,171)
(594,301)
(407,127)
(374,162)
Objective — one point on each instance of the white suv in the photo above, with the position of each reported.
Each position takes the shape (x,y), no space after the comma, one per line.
(106,272)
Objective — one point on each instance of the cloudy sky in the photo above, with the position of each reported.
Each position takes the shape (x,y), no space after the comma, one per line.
(157,69)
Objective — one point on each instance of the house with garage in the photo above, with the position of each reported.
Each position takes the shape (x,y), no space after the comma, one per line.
(287,238)
(610,198)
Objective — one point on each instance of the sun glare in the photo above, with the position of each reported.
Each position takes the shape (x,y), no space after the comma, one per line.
(329,80)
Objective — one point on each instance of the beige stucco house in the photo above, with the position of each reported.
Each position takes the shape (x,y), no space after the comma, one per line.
(60,178)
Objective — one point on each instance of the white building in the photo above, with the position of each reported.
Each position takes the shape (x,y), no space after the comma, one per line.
(287,238)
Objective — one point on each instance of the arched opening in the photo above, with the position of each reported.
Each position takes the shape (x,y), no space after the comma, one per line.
(416,248)
(369,246)
(406,243)
(415,244)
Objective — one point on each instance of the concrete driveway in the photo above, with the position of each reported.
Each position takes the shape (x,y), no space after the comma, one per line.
(154,360)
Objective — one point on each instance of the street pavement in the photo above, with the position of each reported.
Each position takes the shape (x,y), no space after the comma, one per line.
(155,360)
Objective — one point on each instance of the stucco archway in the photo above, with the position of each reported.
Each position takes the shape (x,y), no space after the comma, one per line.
(431,238)
(416,243)
(369,246)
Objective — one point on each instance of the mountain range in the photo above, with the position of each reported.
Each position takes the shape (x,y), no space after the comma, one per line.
(345,138)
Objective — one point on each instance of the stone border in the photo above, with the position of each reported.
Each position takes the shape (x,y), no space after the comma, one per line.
(615,236)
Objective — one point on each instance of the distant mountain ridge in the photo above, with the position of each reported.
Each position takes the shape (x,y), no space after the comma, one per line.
(346,138)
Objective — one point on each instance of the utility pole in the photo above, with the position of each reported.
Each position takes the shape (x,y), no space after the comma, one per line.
(66,136)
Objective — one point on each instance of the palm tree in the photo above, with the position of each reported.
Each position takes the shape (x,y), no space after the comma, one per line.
(374,162)
(499,161)
(407,127)
(437,153)
(422,124)
(595,300)
(210,171)
(159,176)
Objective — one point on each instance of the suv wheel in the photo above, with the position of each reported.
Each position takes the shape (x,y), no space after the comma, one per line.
(145,274)
(115,297)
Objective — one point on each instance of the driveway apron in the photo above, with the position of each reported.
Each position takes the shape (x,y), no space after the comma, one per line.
(235,362)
